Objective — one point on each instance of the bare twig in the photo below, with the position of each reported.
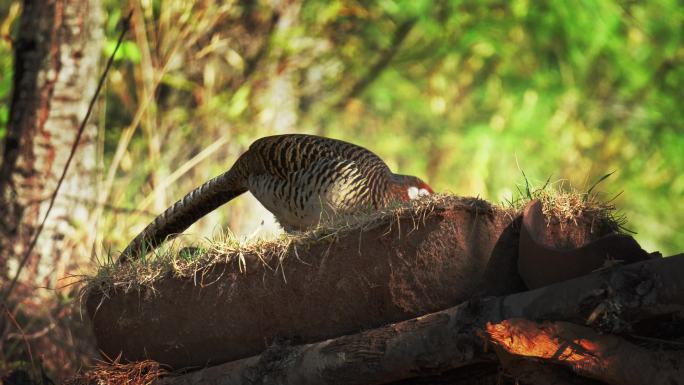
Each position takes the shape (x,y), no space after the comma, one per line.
(23,335)
(382,62)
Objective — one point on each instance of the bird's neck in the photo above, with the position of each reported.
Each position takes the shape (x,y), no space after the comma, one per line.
(397,190)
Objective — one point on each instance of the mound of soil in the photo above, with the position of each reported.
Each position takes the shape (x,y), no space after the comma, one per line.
(398,268)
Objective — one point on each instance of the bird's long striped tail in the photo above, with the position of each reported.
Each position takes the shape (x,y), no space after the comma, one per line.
(196,204)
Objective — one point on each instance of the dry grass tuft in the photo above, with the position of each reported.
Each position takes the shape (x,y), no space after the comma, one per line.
(565,204)
(114,373)
(171,260)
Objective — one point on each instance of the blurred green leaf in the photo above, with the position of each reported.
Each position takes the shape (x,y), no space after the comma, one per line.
(128,51)
(6,83)
(239,102)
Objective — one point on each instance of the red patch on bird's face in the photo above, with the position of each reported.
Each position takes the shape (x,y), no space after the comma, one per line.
(408,187)
(426,187)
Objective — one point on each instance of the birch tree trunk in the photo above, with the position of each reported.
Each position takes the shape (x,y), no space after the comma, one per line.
(56,68)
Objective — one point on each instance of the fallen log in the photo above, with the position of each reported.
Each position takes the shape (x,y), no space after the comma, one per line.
(618,300)
(394,267)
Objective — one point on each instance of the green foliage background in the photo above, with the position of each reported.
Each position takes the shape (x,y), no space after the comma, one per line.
(474,94)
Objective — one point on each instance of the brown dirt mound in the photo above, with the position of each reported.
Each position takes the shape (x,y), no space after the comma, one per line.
(360,278)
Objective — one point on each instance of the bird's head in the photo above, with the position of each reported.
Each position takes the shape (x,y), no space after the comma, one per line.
(409,187)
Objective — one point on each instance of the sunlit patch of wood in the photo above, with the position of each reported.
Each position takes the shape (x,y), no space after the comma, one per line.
(605,357)
(525,338)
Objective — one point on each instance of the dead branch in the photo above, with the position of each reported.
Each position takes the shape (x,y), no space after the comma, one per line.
(382,62)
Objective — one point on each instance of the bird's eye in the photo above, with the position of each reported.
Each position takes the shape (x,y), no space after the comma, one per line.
(413,192)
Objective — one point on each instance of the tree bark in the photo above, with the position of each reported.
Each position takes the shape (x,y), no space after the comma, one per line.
(56,61)
(615,300)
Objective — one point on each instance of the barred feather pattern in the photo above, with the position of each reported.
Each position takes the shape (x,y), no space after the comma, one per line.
(301,179)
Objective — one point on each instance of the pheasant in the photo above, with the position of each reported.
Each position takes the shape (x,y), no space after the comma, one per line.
(302,179)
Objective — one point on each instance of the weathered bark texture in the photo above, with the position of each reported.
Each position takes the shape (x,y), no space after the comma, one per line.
(615,300)
(396,269)
(56,60)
